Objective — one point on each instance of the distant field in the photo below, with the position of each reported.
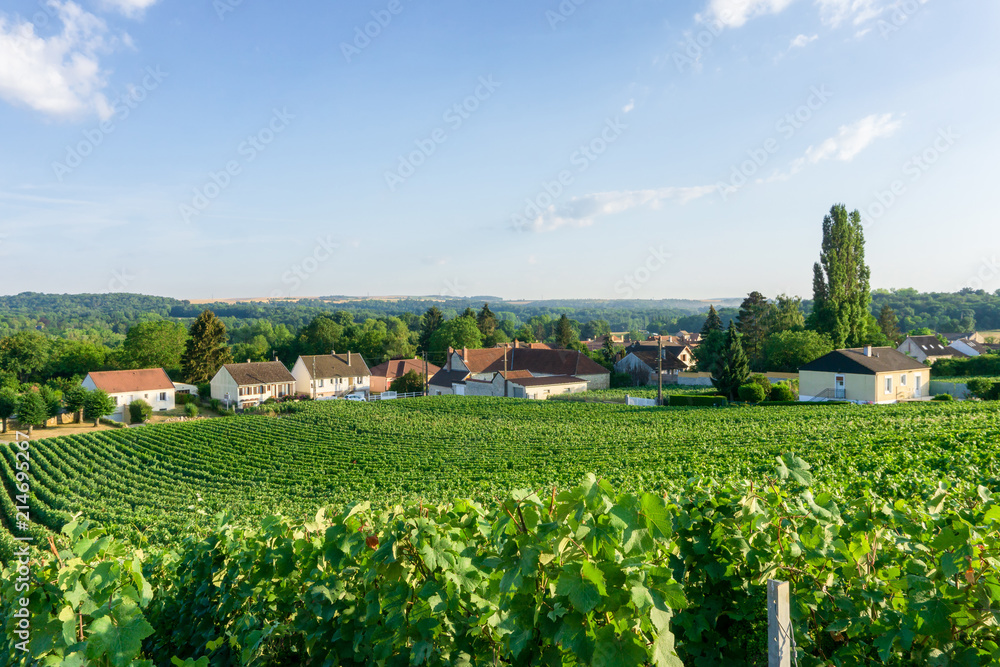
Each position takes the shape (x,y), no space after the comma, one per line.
(154,482)
(619,395)
(963,380)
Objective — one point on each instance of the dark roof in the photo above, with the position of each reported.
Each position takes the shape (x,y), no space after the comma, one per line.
(538,362)
(952,337)
(262,372)
(336,366)
(445,378)
(120,382)
(931,346)
(400,367)
(546,381)
(854,362)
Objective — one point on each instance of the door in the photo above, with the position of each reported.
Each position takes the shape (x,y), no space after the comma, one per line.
(918,387)
(840,388)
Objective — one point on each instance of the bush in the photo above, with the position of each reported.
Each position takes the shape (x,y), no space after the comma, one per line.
(944,397)
(783,393)
(984,389)
(984,365)
(752,392)
(216,404)
(205,390)
(139,411)
(763,382)
(191,410)
(185,399)
(619,380)
(684,400)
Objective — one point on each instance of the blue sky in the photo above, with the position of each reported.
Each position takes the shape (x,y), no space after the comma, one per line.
(638,149)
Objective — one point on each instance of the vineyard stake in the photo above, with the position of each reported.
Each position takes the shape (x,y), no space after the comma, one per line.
(779,627)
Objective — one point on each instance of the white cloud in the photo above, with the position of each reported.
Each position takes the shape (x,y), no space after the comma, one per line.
(847,145)
(130,8)
(628,107)
(58,75)
(735,13)
(858,12)
(584,211)
(802,41)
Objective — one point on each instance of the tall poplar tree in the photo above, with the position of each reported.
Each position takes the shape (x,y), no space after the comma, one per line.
(842,282)
(889,323)
(431,322)
(207,349)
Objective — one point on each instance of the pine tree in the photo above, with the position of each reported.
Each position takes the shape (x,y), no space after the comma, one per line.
(734,367)
(432,321)
(206,350)
(841,282)
(754,323)
(565,336)
(712,323)
(889,323)
(486,320)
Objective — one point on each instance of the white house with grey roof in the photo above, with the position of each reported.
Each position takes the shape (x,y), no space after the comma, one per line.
(332,375)
(250,384)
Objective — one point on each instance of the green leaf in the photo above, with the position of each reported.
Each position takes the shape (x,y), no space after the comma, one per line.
(583,594)
(119,635)
(654,509)
(664,653)
(611,650)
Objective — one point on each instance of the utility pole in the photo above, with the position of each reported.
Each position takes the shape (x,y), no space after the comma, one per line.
(426,378)
(659,370)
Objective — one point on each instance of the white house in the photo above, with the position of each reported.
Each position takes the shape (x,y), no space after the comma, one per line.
(150,385)
(249,384)
(927,348)
(332,375)
(969,347)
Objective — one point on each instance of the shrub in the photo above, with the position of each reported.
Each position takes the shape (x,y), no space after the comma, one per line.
(619,380)
(191,410)
(139,411)
(752,392)
(185,399)
(782,392)
(944,397)
(205,390)
(684,400)
(984,389)
(763,382)
(216,404)
(986,365)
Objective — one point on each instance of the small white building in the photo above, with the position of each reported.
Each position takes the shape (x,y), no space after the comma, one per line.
(151,385)
(969,347)
(927,349)
(252,383)
(332,375)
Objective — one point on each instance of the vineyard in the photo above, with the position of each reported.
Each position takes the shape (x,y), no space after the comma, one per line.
(883,484)
(150,484)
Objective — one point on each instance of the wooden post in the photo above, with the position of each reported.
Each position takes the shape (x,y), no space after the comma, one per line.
(659,369)
(779,627)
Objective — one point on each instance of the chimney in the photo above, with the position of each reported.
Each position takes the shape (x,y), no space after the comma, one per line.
(348,357)
(465,354)
(868,350)
(517,344)
(248,360)
(451,351)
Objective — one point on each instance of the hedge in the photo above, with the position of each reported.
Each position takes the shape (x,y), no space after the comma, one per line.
(676,400)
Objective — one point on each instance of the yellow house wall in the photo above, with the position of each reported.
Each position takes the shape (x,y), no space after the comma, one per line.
(865,388)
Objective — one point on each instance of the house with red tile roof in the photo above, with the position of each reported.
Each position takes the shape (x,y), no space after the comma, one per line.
(512,364)
(150,384)
(385,373)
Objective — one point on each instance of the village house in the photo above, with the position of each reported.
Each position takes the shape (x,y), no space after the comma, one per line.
(384,374)
(333,375)
(151,385)
(864,375)
(514,363)
(970,347)
(246,385)
(927,349)
(641,363)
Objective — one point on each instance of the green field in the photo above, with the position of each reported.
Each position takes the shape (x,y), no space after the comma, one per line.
(888,540)
(150,484)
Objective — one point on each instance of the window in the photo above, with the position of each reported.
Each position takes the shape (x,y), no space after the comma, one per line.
(357,381)
(902,380)
(320,383)
(888,384)
(114,399)
(163,395)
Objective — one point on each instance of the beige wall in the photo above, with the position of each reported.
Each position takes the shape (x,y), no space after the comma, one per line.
(864,388)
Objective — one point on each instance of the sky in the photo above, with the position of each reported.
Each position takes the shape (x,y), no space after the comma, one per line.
(638,149)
